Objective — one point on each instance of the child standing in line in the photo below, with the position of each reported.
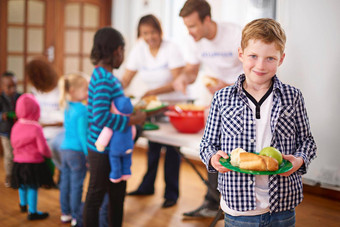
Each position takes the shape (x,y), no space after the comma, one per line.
(30,150)
(256,112)
(107,54)
(73,148)
(8,99)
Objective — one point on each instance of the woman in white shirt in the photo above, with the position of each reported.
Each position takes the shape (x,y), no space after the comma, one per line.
(158,62)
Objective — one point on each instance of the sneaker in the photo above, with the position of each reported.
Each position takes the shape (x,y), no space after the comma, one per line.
(65,218)
(203,212)
(8,181)
(74,222)
(37,216)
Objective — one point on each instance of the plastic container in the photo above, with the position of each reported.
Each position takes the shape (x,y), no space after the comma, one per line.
(187,122)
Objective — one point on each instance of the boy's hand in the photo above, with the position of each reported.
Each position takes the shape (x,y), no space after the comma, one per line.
(297,163)
(214,161)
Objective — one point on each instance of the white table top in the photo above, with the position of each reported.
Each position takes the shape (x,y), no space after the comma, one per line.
(167,134)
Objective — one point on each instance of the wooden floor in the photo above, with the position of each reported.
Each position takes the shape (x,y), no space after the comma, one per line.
(147,212)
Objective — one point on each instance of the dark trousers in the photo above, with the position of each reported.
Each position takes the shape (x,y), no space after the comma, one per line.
(171,170)
(100,184)
(212,192)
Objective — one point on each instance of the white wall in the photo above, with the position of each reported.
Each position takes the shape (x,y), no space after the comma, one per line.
(311,64)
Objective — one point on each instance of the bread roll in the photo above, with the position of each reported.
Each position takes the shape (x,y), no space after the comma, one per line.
(271,163)
(235,156)
(251,161)
(210,81)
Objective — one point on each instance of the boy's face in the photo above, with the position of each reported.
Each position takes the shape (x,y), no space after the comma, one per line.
(260,61)
(196,28)
(8,86)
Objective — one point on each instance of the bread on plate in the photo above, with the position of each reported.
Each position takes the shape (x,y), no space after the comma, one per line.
(252,161)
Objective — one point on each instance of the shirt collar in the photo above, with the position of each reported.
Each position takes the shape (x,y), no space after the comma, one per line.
(237,87)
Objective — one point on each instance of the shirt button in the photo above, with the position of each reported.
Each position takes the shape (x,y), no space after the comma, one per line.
(250,182)
(251,122)
(252,140)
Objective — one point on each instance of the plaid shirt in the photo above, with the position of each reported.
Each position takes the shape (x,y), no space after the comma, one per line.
(231,124)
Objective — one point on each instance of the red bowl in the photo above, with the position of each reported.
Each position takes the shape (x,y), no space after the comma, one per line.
(186,122)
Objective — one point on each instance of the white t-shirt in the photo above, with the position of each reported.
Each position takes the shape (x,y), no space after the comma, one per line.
(263,139)
(155,71)
(50,112)
(219,56)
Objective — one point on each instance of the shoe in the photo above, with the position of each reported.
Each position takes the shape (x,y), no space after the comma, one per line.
(65,218)
(8,181)
(168,203)
(139,193)
(23,208)
(37,216)
(203,212)
(74,222)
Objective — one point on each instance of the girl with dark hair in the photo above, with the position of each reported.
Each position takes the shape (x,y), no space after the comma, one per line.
(107,54)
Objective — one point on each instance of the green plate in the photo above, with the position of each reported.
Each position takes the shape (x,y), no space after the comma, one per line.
(284,167)
(150,126)
(154,109)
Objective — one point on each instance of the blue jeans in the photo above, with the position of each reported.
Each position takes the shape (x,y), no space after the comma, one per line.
(73,171)
(279,219)
(54,144)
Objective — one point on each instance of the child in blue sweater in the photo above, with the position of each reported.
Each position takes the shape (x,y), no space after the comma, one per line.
(73,148)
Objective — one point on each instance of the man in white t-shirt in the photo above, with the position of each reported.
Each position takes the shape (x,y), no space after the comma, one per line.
(215,47)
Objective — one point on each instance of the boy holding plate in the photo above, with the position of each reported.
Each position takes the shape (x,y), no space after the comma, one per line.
(256,112)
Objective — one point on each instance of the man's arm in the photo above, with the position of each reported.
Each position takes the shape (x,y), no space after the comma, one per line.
(188,76)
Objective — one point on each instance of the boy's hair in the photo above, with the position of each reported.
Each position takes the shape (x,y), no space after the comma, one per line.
(149,20)
(42,75)
(105,42)
(74,80)
(265,29)
(202,7)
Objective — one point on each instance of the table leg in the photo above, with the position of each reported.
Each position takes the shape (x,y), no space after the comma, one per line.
(220,212)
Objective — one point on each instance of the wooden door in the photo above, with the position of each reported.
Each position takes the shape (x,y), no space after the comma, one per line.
(79,20)
(60,30)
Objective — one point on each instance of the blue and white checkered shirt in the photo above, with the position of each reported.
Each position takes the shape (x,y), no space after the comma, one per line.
(231,124)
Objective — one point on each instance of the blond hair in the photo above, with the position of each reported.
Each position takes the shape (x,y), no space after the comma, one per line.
(69,81)
(266,30)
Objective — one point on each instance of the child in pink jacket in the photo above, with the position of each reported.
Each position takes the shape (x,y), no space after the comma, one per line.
(30,150)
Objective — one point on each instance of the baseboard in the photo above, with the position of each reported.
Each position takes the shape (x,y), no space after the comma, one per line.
(323,192)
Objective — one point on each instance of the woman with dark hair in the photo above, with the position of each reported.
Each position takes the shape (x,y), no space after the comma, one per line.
(107,54)
(158,62)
